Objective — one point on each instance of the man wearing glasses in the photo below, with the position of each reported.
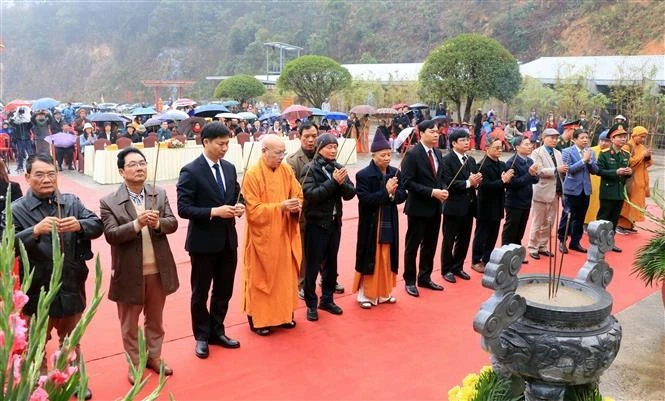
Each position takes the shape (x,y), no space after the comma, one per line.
(273,251)
(137,218)
(34,216)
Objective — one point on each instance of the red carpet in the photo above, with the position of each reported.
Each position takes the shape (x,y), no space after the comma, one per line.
(415,349)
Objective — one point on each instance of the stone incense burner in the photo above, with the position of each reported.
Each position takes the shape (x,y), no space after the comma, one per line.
(550,344)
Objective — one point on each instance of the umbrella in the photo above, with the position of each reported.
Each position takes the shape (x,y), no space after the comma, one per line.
(230,103)
(336,115)
(296,111)
(228,116)
(270,116)
(152,122)
(61,139)
(363,109)
(402,136)
(385,112)
(85,106)
(185,126)
(44,103)
(246,115)
(210,110)
(184,102)
(103,117)
(419,106)
(519,118)
(175,115)
(144,111)
(15,104)
(400,106)
(317,112)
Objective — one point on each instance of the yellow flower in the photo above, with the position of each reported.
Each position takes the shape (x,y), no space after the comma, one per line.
(485,369)
(467,393)
(453,393)
(470,380)
(608,398)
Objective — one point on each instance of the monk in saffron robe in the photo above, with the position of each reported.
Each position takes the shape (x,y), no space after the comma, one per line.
(594,201)
(640,161)
(273,201)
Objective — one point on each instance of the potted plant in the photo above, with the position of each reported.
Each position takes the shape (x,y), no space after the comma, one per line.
(649,263)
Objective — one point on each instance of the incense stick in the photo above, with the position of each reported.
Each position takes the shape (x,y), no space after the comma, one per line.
(565,238)
(249,156)
(58,212)
(154,179)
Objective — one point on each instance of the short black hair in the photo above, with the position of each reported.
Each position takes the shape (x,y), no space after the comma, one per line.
(214,130)
(518,139)
(123,153)
(307,125)
(41,157)
(457,135)
(427,124)
(578,132)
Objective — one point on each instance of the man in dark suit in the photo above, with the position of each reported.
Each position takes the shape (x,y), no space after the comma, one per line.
(208,193)
(461,176)
(422,172)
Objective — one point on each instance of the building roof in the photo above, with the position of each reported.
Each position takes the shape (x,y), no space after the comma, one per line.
(602,70)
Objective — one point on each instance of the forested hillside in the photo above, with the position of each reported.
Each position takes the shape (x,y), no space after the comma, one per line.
(83,50)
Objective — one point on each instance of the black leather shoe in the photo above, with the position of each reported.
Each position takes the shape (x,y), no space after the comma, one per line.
(578,248)
(412,290)
(88,394)
(534,255)
(562,248)
(545,253)
(331,307)
(616,249)
(449,277)
(339,289)
(431,285)
(289,325)
(312,314)
(224,341)
(263,331)
(463,275)
(201,349)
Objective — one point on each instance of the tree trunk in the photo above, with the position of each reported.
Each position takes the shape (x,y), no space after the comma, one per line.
(467,109)
(458,104)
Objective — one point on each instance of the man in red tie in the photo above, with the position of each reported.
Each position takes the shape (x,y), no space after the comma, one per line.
(422,172)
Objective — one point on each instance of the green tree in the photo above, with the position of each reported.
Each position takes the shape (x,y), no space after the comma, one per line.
(240,87)
(313,78)
(467,68)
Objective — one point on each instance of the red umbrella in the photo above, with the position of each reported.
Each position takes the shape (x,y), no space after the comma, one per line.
(15,104)
(363,109)
(296,111)
(400,106)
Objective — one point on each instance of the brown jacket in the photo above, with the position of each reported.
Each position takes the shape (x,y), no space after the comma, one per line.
(118,215)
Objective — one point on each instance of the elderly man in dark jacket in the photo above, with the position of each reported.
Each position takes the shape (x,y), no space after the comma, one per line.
(137,217)
(34,216)
(325,183)
(519,192)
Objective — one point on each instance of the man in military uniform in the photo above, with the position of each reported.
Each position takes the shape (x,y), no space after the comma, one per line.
(565,140)
(613,168)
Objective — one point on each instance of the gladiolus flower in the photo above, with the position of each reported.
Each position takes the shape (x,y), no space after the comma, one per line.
(20,329)
(20,299)
(16,360)
(42,380)
(58,377)
(39,395)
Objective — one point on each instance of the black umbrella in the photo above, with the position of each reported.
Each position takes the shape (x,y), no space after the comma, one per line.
(210,110)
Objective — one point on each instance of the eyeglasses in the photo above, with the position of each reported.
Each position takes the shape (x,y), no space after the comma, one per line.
(136,164)
(496,147)
(278,154)
(40,176)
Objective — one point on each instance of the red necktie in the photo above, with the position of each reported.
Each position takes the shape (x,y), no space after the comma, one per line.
(431,161)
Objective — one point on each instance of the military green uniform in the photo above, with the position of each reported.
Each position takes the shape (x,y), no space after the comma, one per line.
(611,185)
(563,143)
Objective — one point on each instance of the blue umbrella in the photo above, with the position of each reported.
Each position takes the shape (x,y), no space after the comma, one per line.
(104,117)
(144,111)
(230,103)
(210,110)
(152,122)
(336,115)
(175,115)
(270,116)
(44,103)
(317,111)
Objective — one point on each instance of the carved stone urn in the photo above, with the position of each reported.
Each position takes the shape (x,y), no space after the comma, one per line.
(569,340)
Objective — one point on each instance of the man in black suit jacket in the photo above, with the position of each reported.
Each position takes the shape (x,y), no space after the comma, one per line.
(461,176)
(422,172)
(208,192)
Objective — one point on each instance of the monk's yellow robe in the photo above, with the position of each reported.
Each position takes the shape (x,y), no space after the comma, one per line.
(639,190)
(594,201)
(272,245)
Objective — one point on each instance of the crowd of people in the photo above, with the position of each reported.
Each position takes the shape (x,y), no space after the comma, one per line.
(293,216)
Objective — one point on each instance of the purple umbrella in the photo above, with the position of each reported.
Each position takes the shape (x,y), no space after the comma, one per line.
(61,140)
